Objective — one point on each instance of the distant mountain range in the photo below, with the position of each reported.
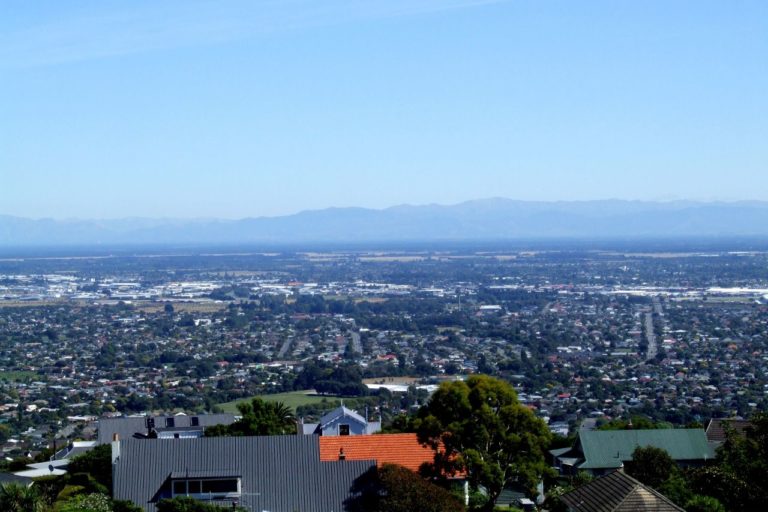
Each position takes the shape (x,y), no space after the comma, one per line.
(479,220)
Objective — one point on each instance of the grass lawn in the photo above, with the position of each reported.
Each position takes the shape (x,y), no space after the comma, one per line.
(182,307)
(11,376)
(292,399)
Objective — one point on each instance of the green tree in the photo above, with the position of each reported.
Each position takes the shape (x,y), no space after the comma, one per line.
(125,506)
(677,488)
(20,498)
(97,463)
(721,483)
(553,501)
(704,504)
(50,487)
(5,433)
(405,491)
(87,503)
(742,462)
(652,466)
(393,488)
(479,427)
(259,418)
(187,504)
(633,423)
(400,424)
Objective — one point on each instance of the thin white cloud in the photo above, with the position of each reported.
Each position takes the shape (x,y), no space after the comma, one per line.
(192,23)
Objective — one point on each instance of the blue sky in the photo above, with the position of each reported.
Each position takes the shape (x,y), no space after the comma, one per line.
(202,108)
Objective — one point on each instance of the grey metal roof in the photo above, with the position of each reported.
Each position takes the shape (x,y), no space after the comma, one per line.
(557,452)
(309,428)
(209,473)
(179,429)
(126,426)
(6,478)
(617,492)
(279,473)
(72,450)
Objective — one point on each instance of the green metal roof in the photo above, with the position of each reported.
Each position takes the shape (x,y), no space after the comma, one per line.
(610,448)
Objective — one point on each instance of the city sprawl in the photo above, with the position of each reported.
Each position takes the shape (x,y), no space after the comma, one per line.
(584,336)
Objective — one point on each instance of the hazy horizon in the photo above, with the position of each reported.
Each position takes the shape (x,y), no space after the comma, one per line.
(668,201)
(481,220)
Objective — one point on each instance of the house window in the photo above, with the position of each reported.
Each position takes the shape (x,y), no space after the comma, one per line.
(195,421)
(344,430)
(207,488)
(219,486)
(170,422)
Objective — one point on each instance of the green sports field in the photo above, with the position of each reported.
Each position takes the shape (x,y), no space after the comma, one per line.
(19,376)
(292,400)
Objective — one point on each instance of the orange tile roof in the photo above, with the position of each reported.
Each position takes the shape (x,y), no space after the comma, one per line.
(402,449)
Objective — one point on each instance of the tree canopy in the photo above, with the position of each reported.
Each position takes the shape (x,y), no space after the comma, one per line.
(393,488)
(20,498)
(259,418)
(478,427)
(634,423)
(187,504)
(651,465)
(743,459)
(87,503)
(97,463)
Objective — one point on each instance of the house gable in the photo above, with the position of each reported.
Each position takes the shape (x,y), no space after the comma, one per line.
(341,421)
(617,492)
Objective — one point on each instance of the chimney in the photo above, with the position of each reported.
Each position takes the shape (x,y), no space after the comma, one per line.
(342,455)
(115,447)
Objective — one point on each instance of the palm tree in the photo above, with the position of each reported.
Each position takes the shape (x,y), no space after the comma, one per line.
(261,418)
(20,498)
(285,416)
